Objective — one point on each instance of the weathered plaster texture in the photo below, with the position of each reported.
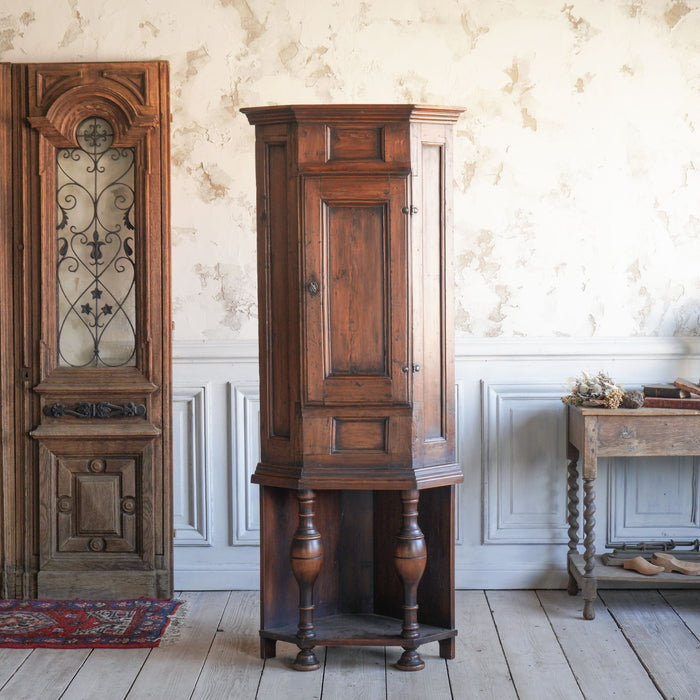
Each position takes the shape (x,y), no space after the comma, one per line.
(577,161)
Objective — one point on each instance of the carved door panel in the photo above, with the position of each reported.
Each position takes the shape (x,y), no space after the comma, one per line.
(91,350)
(356,291)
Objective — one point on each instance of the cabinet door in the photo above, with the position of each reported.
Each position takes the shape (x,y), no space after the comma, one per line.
(356,290)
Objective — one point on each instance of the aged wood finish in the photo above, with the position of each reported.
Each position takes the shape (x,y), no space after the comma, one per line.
(356,376)
(593,433)
(87,500)
(10,543)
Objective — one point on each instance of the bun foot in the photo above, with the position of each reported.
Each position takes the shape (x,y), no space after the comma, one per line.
(410,661)
(306,661)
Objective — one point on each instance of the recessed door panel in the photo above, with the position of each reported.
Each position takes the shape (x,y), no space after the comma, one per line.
(356,287)
(95,505)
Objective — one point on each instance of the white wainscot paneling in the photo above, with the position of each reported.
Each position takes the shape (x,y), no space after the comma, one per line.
(215,389)
(653,498)
(245,499)
(511,514)
(523,450)
(190,466)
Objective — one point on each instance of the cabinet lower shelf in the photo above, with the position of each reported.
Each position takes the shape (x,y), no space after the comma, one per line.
(358,630)
(617,577)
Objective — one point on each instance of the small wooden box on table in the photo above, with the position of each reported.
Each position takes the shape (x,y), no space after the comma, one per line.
(357,470)
(599,432)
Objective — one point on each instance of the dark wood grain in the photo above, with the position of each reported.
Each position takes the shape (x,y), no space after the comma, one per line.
(356,374)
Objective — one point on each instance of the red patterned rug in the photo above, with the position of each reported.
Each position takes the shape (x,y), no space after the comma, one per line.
(78,624)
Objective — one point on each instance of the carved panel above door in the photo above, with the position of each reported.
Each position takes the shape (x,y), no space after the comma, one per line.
(88,217)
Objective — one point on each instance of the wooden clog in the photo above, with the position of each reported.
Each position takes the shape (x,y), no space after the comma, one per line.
(670,563)
(642,566)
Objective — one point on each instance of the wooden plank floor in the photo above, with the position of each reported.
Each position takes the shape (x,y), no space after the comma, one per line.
(511,644)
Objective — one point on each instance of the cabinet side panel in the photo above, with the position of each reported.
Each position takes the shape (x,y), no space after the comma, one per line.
(432,295)
(276,249)
(433,326)
(279,593)
(436,518)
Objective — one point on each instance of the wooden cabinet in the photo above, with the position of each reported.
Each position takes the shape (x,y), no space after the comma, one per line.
(358,468)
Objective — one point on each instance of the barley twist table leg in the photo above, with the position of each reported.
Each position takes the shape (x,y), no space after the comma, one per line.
(589,588)
(572,509)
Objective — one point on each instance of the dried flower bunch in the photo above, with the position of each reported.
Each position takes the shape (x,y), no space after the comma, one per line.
(599,391)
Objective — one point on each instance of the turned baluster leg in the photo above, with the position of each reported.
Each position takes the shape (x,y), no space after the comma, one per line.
(306,558)
(410,559)
(572,509)
(589,584)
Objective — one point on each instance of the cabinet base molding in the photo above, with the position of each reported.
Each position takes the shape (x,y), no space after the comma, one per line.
(360,630)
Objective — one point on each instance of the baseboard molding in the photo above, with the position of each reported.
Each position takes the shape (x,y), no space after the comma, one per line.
(509,579)
(217,579)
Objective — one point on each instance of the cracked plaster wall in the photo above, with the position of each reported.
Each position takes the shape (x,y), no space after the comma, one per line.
(577,162)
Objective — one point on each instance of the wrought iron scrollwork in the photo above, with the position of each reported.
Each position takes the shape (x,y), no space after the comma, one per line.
(95,262)
(103,409)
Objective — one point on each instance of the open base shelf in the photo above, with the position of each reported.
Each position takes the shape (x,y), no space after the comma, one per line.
(358,630)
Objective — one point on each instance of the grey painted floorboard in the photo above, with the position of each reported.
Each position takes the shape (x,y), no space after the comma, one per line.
(666,647)
(531,647)
(641,644)
(602,661)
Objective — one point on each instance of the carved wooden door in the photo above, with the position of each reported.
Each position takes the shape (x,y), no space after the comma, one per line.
(86,264)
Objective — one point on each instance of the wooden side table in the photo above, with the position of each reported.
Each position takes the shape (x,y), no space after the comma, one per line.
(597,432)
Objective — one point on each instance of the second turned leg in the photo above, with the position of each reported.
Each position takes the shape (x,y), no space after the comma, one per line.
(306,556)
(410,558)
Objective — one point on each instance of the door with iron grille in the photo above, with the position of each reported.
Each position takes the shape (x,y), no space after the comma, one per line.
(86,257)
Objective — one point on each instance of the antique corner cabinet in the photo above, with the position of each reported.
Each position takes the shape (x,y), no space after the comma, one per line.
(358,469)
(85,330)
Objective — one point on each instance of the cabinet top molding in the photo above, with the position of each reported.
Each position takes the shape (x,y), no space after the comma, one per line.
(370,113)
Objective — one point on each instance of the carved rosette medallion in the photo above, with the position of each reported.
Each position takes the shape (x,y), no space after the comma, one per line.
(129,505)
(64,504)
(97,544)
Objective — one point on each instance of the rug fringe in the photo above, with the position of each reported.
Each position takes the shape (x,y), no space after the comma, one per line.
(175,624)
